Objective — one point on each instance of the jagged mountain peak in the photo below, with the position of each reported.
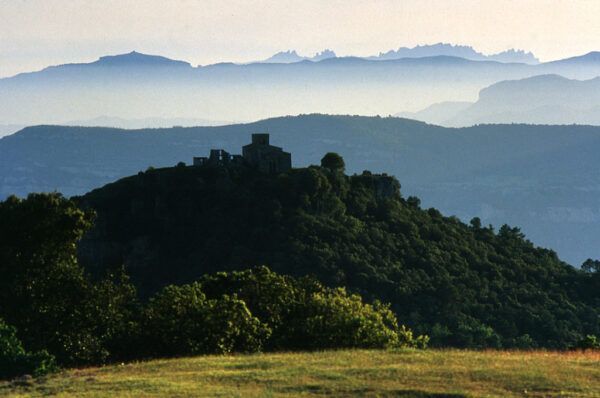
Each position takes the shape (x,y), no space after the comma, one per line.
(291,56)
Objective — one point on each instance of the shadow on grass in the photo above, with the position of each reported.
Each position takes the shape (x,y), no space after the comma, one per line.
(365,392)
(424,394)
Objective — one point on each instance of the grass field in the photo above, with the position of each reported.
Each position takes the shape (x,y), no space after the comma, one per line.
(432,373)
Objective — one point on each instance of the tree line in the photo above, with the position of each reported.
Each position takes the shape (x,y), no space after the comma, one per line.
(54,314)
(171,262)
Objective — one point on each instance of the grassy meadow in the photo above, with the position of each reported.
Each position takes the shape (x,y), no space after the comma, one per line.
(370,373)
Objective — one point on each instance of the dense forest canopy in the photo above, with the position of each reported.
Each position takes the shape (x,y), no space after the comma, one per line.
(196,260)
(464,285)
(53,314)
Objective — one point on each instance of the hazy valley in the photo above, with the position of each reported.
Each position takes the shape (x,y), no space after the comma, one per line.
(139,86)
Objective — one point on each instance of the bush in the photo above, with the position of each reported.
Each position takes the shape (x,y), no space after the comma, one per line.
(180,320)
(589,342)
(271,297)
(334,319)
(471,333)
(303,314)
(15,361)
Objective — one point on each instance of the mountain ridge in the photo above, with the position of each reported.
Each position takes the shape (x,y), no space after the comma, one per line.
(291,56)
(137,86)
(539,177)
(462,51)
(541,99)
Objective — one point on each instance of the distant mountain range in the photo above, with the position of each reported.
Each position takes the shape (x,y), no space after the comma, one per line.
(291,56)
(542,178)
(430,50)
(137,86)
(465,52)
(136,59)
(117,122)
(544,99)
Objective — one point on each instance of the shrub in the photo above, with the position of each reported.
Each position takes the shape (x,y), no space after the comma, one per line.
(180,320)
(469,332)
(334,319)
(589,342)
(303,314)
(271,297)
(15,361)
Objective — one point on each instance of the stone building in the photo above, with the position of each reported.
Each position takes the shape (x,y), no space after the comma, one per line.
(217,157)
(259,154)
(265,157)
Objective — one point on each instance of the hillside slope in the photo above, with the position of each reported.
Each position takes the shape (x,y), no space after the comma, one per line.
(543,99)
(464,285)
(425,374)
(542,178)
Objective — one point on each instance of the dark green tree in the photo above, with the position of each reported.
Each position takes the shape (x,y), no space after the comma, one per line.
(333,161)
(180,320)
(43,290)
(591,266)
(304,314)
(15,361)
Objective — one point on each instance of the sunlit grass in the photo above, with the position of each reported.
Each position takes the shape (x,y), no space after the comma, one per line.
(432,373)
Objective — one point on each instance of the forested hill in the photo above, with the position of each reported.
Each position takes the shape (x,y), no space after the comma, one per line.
(542,178)
(465,285)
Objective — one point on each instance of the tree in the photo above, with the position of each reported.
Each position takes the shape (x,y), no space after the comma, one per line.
(44,292)
(304,314)
(15,361)
(42,287)
(591,266)
(180,320)
(333,161)
(334,319)
(588,342)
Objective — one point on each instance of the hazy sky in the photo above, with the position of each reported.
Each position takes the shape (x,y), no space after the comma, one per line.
(37,33)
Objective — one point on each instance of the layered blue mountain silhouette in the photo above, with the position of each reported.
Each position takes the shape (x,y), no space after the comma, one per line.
(544,99)
(465,52)
(291,56)
(139,60)
(422,51)
(137,86)
(540,177)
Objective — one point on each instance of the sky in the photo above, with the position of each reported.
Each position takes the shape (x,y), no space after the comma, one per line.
(38,33)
